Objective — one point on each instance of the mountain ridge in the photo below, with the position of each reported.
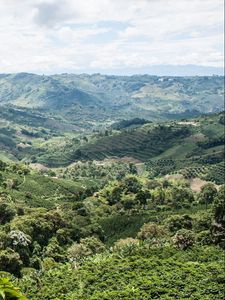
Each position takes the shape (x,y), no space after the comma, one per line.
(147,95)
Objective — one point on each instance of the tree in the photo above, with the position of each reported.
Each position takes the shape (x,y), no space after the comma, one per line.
(131,185)
(128,202)
(177,196)
(158,196)
(208,193)
(132,168)
(87,247)
(1,179)
(2,165)
(126,246)
(177,222)
(142,197)
(19,238)
(93,244)
(219,206)
(6,213)
(115,195)
(76,253)
(10,261)
(218,223)
(54,250)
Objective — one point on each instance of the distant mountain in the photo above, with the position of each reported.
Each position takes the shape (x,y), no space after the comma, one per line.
(35,91)
(103,97)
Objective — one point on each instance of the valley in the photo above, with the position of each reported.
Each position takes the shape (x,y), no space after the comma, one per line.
(111,187)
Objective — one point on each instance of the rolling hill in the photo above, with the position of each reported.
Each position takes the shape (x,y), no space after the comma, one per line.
(96,180)
(85,98)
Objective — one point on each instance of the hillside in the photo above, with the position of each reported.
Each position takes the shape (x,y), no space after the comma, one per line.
(76,96)
(125,204)
(105,175)
(192,143)
(196,139)
(61,240)
(42,115)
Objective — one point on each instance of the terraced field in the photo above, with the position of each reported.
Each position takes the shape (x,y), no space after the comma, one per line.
(144,143)
(189,168)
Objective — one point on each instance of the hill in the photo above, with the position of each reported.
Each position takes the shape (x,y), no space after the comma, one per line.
(193,143)
(48,118)
(99,97)
(200,137)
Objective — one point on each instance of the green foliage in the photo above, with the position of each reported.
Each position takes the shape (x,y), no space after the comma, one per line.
(218,226)
(8,291)
(157,273)
(10,261)
(177,222)
(151,232)
(6,213)
(87,247)
(105,229)
(208,193)
(126,247)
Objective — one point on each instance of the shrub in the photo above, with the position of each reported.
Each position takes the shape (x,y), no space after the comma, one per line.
(126,246)
(208,193)
(151,232)
(183,239)
(204,237)
(87,247)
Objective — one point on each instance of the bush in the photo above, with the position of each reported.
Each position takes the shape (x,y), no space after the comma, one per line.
(151,232)
(204,237)
(87,247)
(126,246)
(208,193)
(184,239)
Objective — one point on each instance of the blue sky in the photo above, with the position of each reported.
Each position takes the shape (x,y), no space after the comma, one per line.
(183,37)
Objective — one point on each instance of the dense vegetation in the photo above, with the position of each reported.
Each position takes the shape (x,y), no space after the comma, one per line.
(75,243)
(194,143)
(100,198)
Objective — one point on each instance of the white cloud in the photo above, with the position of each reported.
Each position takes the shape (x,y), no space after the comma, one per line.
(47,36)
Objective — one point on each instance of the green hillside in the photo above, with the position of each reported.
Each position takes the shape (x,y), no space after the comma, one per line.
(111,187)
(67,239)
(187,140)
(55,143)
(100,98)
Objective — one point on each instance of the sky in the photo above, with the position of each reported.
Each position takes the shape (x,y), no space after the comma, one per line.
(164,37)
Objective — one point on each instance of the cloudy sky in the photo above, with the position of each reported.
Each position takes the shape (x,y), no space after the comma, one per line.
(111,36)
